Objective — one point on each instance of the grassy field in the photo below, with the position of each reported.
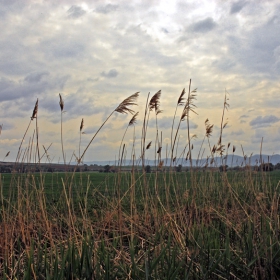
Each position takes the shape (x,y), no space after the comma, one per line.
(138,225)
(104,226)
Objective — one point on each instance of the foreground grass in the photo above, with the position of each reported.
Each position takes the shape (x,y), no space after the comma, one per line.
(140,226)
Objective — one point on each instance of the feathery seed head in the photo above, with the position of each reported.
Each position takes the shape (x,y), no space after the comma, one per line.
(159,150)
(209,128)
(133,119)
(181,98)
(82,125)
(149,145)
(214,149)
(130,101)
(35,111)
(61,103)
(154,102)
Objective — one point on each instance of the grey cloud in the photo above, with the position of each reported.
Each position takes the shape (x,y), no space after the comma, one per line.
(259,134)
(238,132)
(36,76)
(224,64)
(107,9)
(110,74)
(242,121)
(7,7)
(204,26)
(166,123)
(75,12)
(237,7)
(264,121)
(92,79)
(68,50)
(93,129)
(244,117)
(75,105)
(256,50)
(7,126)
(14,89)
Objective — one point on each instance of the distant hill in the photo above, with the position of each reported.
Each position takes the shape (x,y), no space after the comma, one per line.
(230,160)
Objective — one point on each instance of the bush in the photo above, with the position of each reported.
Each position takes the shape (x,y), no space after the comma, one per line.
(148,169)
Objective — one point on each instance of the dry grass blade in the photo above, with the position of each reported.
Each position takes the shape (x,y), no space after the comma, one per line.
(7,154)
(226,105)
(1,127)
(159,150)
(82,125)
(61,102)
(35,111)
(130,101)
(233,148)
(133,119)
(46,153)
(220,140)
(225,125)
(154,102)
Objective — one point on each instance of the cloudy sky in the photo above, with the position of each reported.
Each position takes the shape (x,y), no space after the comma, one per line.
(96,53)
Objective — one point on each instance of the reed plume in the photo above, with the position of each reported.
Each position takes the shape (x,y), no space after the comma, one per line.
(133,119)
(123,108)
(189,106)
(220,147)
(154,102)
(154,105)
(149,145)
(208,133)
(61,104)
(81,129)
(131,122)
(6,156)
(35,111)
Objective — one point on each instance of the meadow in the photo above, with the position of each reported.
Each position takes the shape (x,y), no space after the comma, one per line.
(199,224)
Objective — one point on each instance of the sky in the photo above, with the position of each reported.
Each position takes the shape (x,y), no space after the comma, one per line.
(97,53)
